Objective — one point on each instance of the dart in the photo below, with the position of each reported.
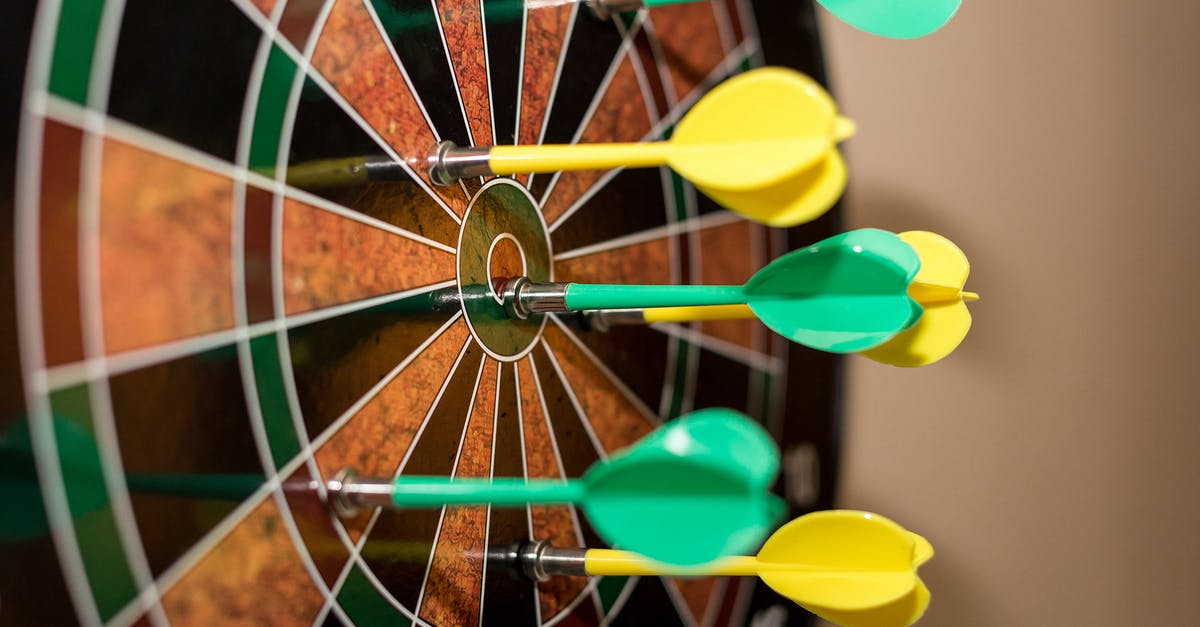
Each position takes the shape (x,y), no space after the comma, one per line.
(844,294)
(692,491)
(762,143)
(937,288)
(853,565)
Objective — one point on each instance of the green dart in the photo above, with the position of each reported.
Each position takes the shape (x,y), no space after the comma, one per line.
(694,490)
(845,294)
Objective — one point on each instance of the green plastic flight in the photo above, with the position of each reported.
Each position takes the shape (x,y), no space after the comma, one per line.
(845,294)
(694,490)
(898,19)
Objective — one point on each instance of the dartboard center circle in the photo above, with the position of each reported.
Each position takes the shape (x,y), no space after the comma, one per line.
(505,259)
(503,235)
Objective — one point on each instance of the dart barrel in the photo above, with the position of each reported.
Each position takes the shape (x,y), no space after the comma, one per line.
(349,494)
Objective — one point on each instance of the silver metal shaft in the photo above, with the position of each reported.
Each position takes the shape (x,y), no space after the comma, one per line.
(349,493)
(523,298)
(448,163)
(604,319)
(540,561)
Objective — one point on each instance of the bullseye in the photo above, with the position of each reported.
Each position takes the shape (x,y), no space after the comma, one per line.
(505,259)
(502,235)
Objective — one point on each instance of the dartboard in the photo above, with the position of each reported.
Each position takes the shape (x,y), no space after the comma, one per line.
(231,268)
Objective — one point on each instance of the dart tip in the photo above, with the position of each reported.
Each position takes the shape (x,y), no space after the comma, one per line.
(970,297)
(844,128)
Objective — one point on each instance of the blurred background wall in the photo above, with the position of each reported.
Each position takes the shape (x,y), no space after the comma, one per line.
(1054,460)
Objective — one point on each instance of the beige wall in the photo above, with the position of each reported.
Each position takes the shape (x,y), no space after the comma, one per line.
(1054,460)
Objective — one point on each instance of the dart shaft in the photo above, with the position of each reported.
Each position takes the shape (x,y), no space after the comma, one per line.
(693,314)
(555,157)
(613,562)
(523,298)
(439,491)
(449,162)
(596,296)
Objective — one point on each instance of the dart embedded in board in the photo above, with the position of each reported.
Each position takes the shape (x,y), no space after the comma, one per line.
(694,490)
(762,144)
(852,568)
(849,293)
(937,288)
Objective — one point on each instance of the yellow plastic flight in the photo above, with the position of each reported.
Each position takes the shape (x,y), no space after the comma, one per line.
(763,144)
(938,286)
(853,568)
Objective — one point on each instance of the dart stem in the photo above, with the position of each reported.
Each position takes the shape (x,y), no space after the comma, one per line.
(555,157)
(695,314)
(596,296)
(625,563)
(502,491)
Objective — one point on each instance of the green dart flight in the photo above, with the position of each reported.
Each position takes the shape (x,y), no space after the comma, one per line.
(696,489)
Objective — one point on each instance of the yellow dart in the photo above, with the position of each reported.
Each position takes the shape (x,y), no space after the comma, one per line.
(857,568)
(938,287)
(763,144)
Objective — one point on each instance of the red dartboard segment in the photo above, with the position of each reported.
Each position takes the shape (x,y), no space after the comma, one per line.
(620,116)
(546,31)
(554,523)
(395,415)
(454,582)
(731,254)
(676,29)
(59,244)
(694,594)
(266,6)
(353,55)
(297,20)
(316,529)
(462,26)
(647,66)
(733,13)
(645,262)
(615,416)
